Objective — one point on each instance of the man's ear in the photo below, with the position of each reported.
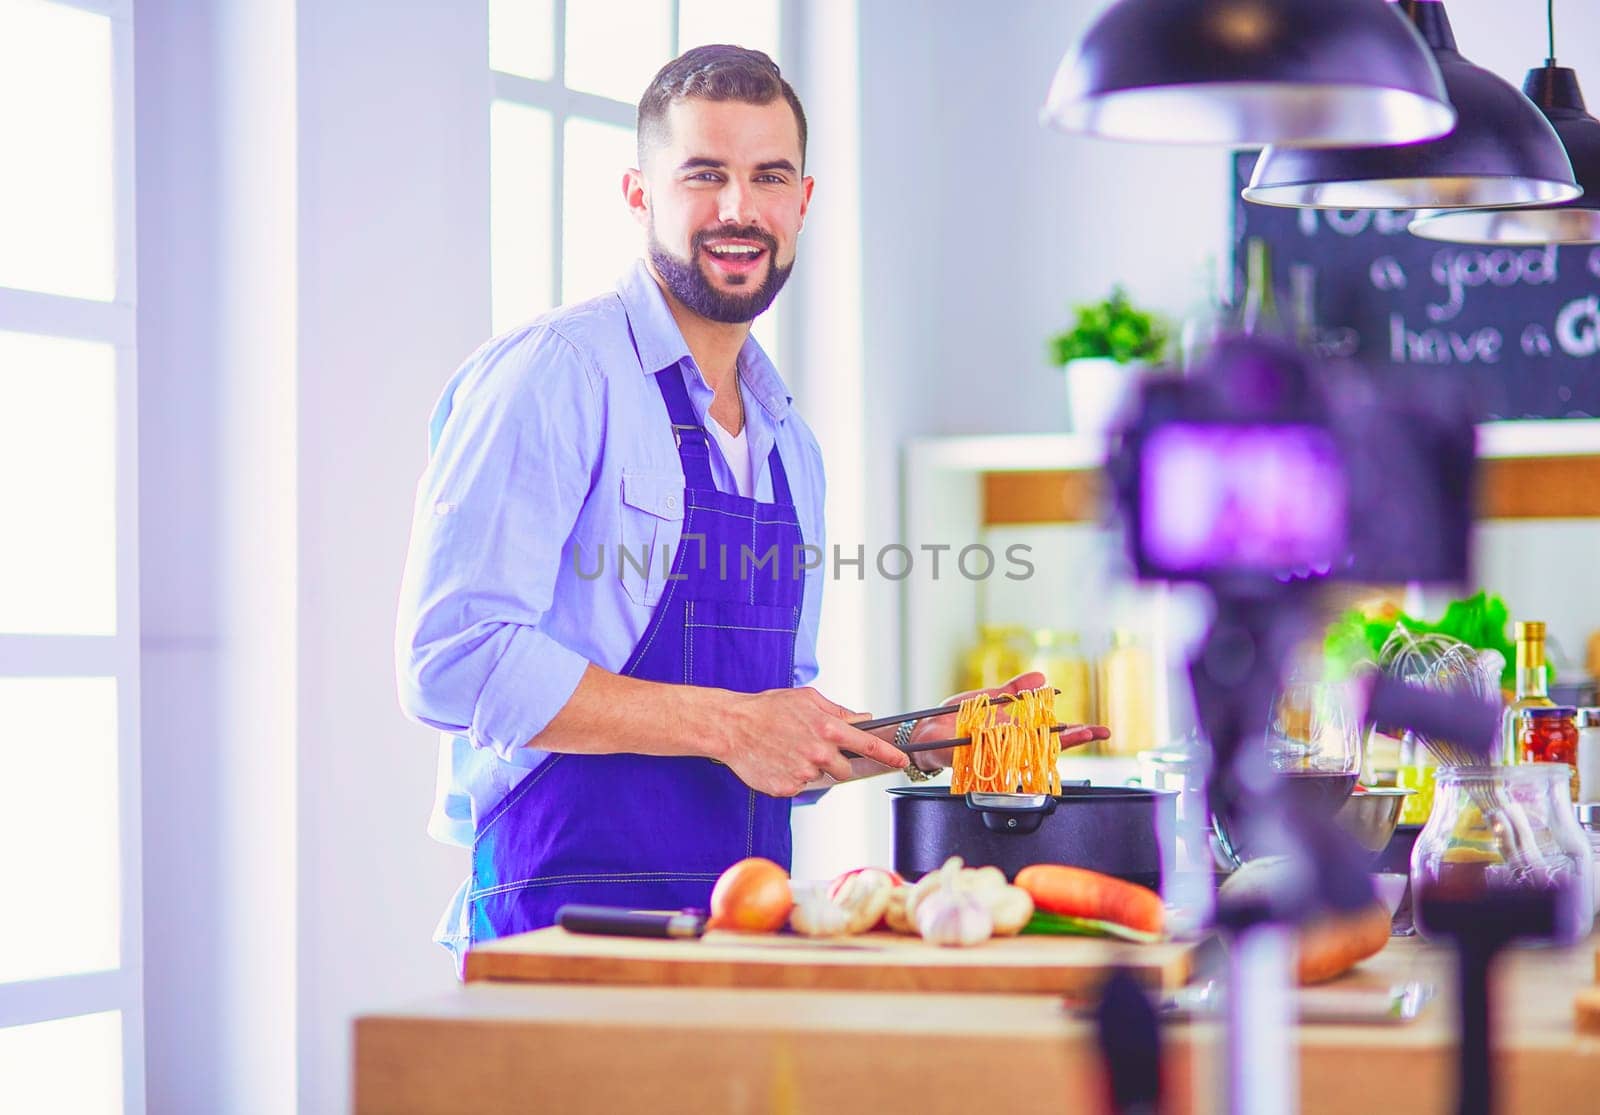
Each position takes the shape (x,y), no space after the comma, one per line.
(637,195)
(805,195)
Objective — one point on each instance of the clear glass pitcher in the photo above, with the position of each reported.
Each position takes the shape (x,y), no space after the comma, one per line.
(1499,828)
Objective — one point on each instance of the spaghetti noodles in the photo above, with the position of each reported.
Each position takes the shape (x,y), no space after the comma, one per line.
(1017,754)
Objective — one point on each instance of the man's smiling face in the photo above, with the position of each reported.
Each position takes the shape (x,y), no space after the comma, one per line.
(722,200)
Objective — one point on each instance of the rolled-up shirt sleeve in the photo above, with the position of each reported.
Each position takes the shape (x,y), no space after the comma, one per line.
(516,441)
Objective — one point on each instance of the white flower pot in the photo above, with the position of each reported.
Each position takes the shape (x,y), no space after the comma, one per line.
(1097,387)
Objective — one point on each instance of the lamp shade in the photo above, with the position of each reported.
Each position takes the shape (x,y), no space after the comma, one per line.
(1250,72)
(1555,90)
(1502,151)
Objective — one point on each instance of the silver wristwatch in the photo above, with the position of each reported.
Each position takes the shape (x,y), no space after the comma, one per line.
(902,737)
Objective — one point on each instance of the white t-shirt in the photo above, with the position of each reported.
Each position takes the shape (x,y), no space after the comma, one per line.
(736,451)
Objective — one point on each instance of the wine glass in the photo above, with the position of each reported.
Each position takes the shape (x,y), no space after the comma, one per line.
(1313,747)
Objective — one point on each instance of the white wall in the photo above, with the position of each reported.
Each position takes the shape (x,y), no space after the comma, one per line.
(394,293)
(313,219)
(981,228)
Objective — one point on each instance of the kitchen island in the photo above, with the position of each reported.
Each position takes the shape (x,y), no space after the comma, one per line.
(519,1047)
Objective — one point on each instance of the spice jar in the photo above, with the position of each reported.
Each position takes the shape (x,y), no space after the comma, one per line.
(1589,817)
(1589,754)
(1550,735)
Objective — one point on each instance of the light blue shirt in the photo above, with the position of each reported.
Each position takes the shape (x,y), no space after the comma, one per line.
(551,451)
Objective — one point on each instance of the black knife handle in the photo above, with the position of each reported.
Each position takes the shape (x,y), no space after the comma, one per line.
(618,921)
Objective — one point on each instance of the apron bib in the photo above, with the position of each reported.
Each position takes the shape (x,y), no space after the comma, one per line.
(646,831)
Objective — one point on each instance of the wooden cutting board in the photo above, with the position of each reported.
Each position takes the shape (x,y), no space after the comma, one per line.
(871,962)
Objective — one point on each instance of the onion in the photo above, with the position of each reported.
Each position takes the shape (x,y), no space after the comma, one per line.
(752,896)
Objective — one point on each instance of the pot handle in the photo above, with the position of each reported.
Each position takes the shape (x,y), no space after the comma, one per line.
(1018,814)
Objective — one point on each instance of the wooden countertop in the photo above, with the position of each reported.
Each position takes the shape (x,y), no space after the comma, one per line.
(559,1047)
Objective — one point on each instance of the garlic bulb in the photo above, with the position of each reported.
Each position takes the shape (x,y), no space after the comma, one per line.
(896,915)
(864,895)
(1010,907)
(930,883)
(817,916)
(948,917)
(985,881)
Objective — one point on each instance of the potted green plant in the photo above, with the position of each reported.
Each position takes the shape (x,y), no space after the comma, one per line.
(1109,343)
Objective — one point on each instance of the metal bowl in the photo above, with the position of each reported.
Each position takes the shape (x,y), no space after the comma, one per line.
(1372,816)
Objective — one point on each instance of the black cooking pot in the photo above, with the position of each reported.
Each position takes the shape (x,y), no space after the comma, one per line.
(1111,829)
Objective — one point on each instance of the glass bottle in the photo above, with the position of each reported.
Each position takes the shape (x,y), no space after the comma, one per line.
(1127,696)
(1303,304)
(1532,686)
(1589,755)
(1260,302)
(1057,655)
(1208,319)
(1499,828)
(996,658)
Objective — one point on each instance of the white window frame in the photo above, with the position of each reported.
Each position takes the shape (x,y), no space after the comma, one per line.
(554,97)
(116,656)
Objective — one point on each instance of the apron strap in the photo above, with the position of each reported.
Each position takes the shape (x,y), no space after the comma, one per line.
(694,444)
(780,480)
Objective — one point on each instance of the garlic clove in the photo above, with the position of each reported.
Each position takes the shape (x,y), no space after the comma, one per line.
(864,895)
(950,918)
(1010,908)
(818,916)
(899,915)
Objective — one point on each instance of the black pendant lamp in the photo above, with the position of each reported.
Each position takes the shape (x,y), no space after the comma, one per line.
(1502,152)
(1250,72)
(1555,90)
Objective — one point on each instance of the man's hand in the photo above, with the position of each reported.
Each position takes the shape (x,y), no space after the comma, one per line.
(782,740)
(944,727)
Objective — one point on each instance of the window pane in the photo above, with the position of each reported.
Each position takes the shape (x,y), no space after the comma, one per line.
(68,1066)
(58,446)
(59,876)
(55,146)
(599,237)
(614,47)
(522,37)
(749,23)
(521,212)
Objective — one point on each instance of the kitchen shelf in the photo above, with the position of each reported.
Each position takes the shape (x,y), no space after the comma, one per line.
(1539,511)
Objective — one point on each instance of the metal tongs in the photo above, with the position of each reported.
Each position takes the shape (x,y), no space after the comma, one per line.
(942,710)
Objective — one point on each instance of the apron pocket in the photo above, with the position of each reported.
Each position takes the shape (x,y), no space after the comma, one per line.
(744,647)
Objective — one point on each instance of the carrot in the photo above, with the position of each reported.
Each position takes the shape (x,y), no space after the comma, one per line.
(1080,893)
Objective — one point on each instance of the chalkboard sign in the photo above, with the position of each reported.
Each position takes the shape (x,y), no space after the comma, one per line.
(1523,322)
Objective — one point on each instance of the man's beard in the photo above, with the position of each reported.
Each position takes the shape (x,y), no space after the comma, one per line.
(689,285)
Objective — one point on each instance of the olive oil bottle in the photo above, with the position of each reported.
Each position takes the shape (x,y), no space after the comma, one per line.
(1533,687)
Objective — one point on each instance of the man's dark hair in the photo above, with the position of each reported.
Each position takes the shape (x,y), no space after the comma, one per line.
(714,73)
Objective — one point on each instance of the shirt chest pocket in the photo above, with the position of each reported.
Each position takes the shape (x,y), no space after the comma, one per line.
(652,523)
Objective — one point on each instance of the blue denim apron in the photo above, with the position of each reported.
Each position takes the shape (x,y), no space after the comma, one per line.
(654,832)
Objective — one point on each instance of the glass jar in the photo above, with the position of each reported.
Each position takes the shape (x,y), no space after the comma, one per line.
(999,655)
(1589,754)
(1059,657)
(1500,828)
(1589,819)
(1550,735)
(1125,690)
